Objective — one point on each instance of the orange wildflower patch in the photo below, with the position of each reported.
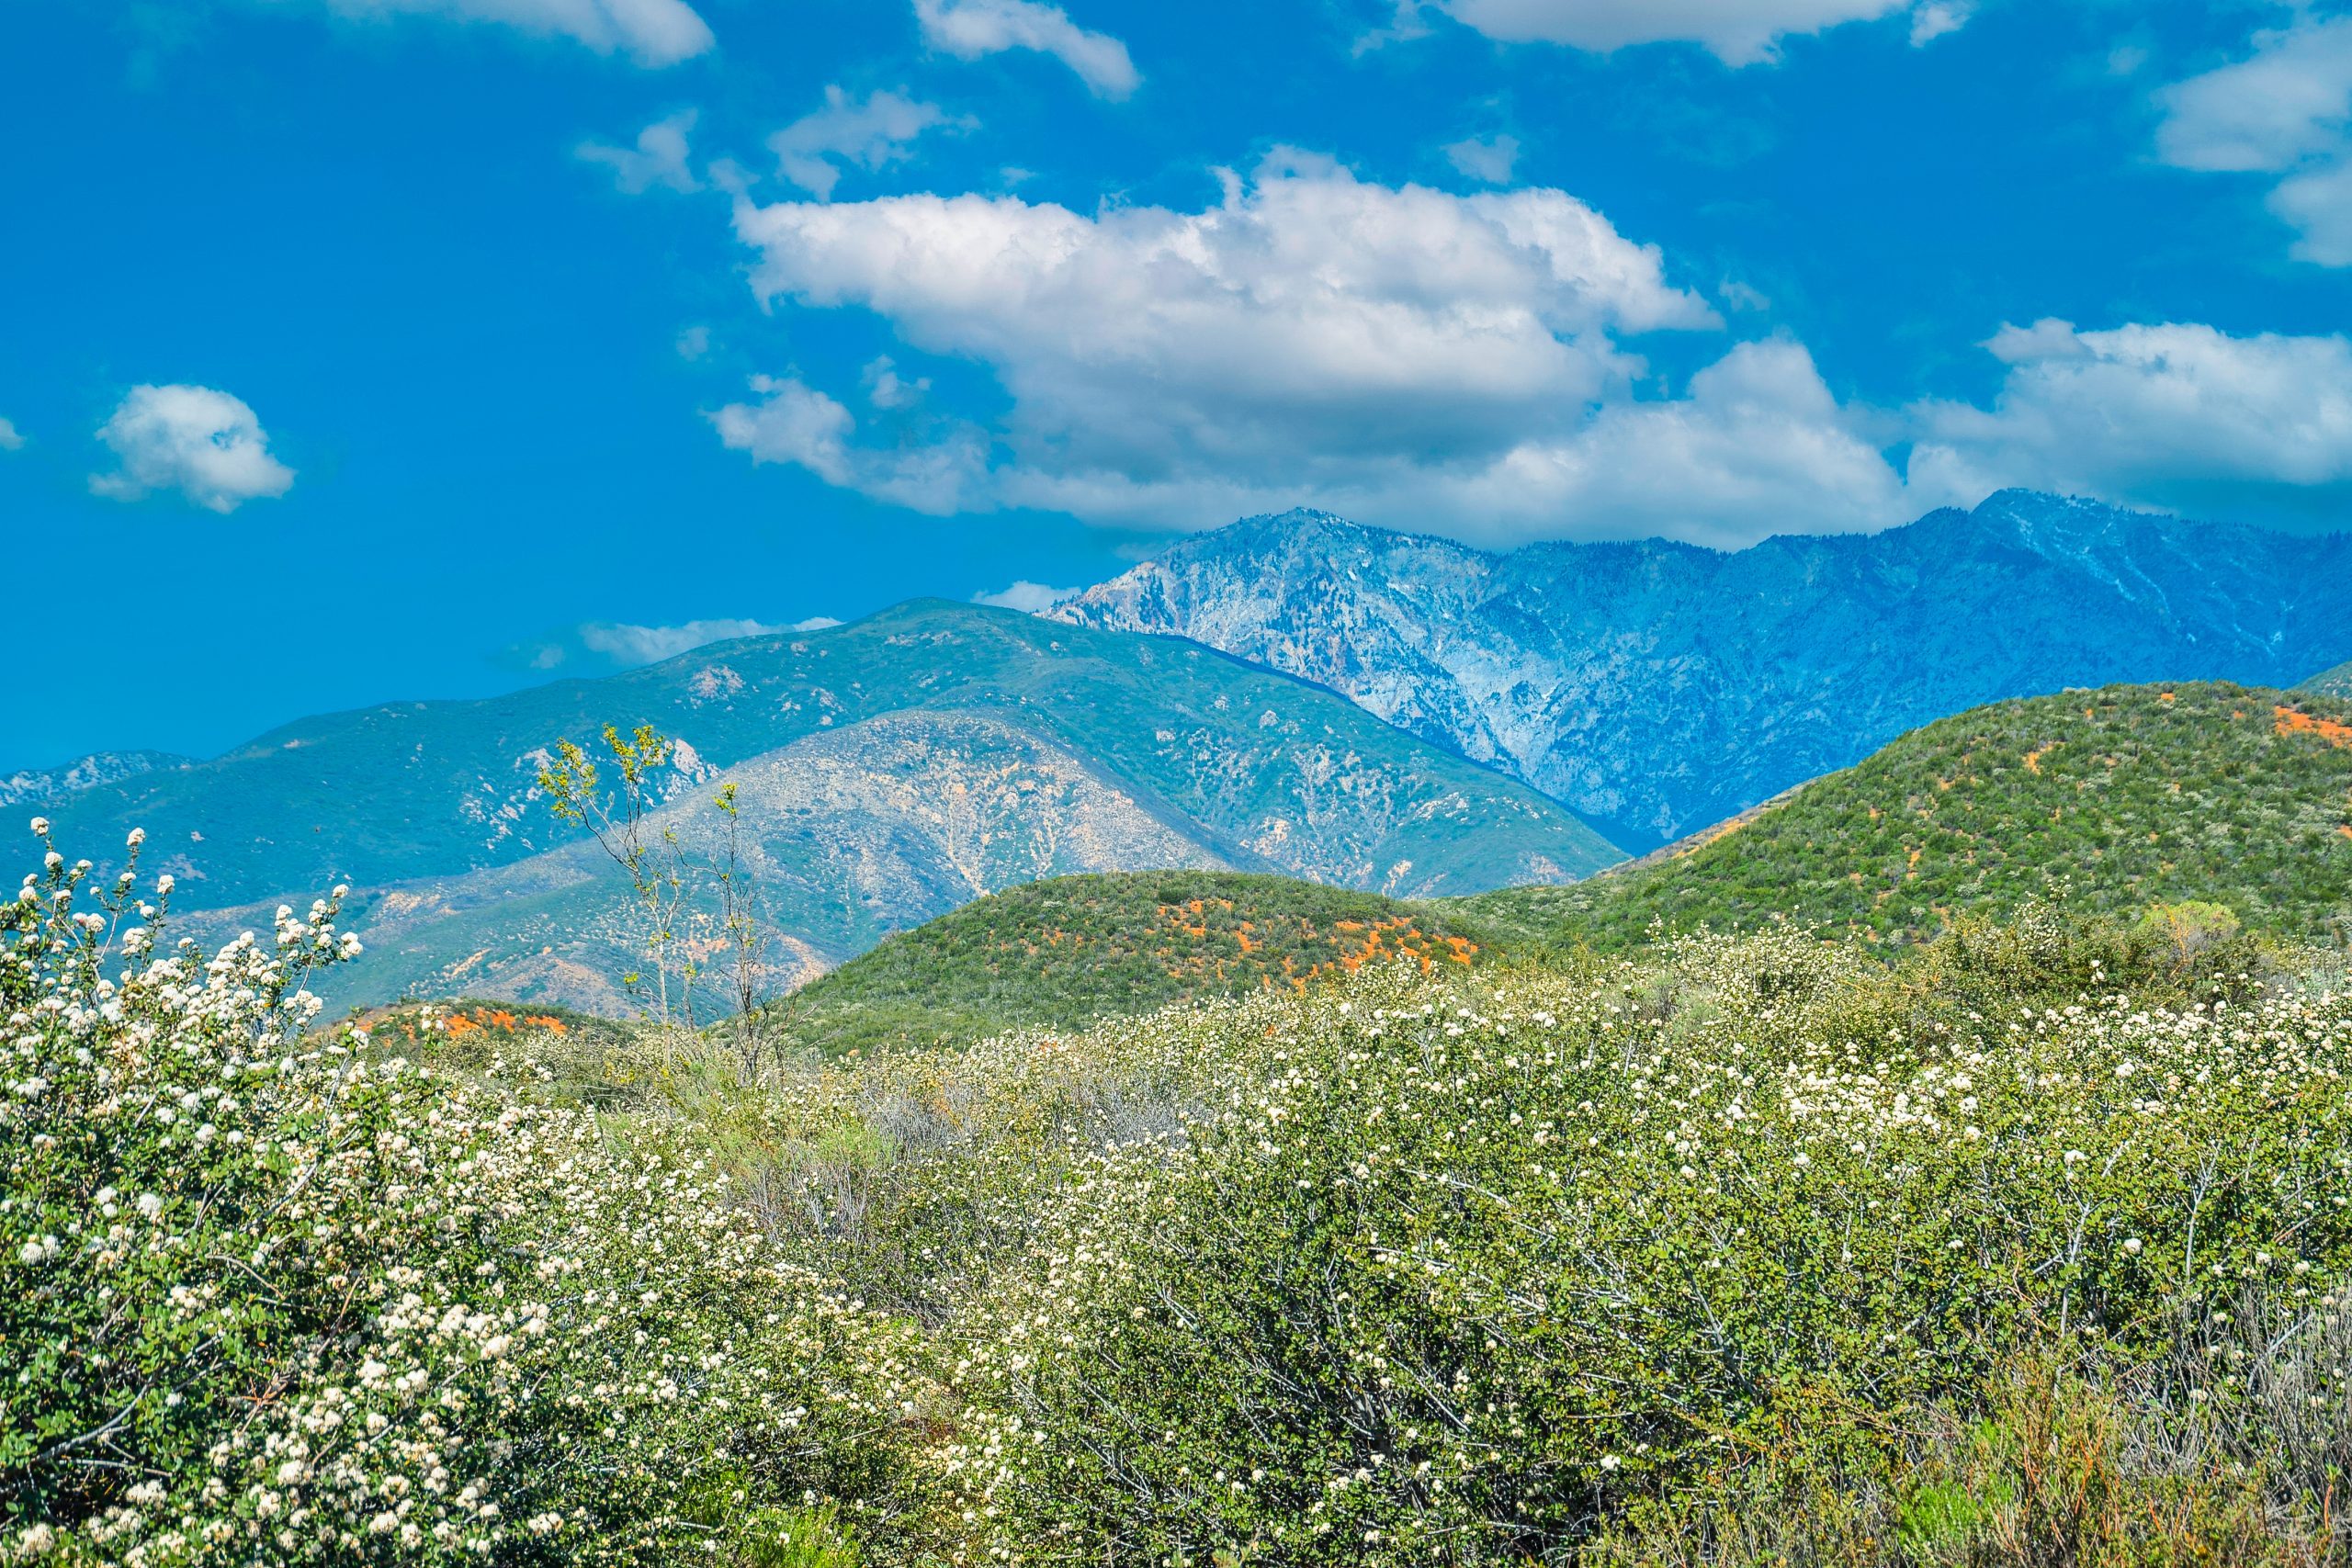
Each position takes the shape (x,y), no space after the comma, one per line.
(2294,721)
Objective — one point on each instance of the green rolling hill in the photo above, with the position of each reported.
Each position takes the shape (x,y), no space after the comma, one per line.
(1060,953)
(887,771)
(2114,799)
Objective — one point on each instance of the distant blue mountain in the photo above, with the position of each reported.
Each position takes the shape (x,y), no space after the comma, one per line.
(1657,687)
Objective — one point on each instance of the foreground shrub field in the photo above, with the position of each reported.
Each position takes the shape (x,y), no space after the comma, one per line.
(2027,1246)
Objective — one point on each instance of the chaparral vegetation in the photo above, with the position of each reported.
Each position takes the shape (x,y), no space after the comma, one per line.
(2026,1239)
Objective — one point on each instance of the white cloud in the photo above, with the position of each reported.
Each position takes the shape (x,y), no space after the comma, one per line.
(1307,317)
(659,157)
(2284,103)
(1456,363)
(11,439)
(2285,109)
(1738,32)
(204,444)
(1026,596)
(970,28)
(2175,415)
(652,32)
(881,129)
(693,342)
(1400,353)
(1757,445)
(1742,296)
(2318,202)
(1934,18)
(1485,158)
(885,389)
(624,644)
(796,424)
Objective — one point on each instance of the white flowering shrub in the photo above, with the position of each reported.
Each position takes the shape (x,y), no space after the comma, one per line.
(267,1300)
(1458,1275)
(1744,1251)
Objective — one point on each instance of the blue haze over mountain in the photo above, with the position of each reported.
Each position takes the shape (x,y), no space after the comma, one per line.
(1657,687)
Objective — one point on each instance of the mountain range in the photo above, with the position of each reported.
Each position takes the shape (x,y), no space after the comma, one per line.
(885,771)
(1296,694)
(1657,687)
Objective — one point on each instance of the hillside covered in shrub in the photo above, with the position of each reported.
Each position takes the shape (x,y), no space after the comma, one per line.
(2335,682)
(1060,953)
(2030,1238)
(2115,801)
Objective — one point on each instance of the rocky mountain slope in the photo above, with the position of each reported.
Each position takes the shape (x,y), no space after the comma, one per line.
(886,771)
(1657,687)
(35,786)
(2109,801)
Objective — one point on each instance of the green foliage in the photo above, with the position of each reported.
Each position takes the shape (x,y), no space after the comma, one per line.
(2114,800)
(2335,682)
(2050,1465)
(2025,1245)
(1063,952)
(1461,1274)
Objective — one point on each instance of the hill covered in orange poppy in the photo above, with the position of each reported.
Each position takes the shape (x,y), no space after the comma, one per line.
(1061,953)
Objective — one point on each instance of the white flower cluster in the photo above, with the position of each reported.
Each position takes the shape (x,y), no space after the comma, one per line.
(1421,1264)
(277,1298)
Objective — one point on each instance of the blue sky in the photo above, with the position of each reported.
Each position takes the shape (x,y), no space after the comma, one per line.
(364,349)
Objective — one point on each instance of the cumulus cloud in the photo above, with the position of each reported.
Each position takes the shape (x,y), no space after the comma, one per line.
(970,28)
(1402,353)
(1461,363)
(659,158)
(204,444)
(2286,109)
(881,128)
(11,439)
(1738,32)
(1489,159)
(1026,596)
(2181,416)
(1306,312)
(626,644)
(650,33)
(2286,101)
(1756,445)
